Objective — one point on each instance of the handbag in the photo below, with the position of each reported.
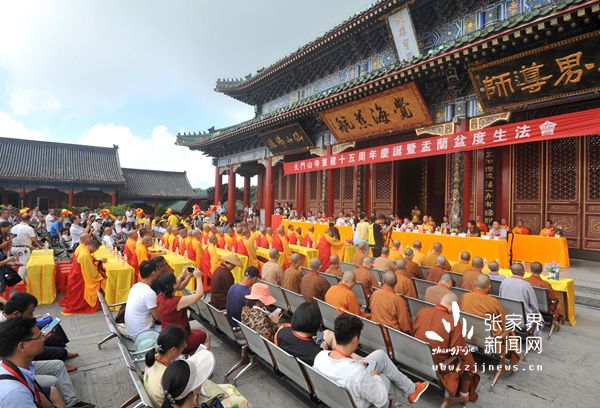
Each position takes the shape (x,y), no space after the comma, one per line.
(9,276)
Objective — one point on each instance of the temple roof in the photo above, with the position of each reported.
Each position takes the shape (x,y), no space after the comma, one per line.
(35,161)
(383,78)
(156,184)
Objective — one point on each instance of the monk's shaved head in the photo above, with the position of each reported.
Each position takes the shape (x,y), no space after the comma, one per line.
(465,256)
(494,266)
(440,260)
(147,241)
(385,251)
(348,277)
(197,233)
(132,234)
(296,258)
(447,280)
(315,264)
(212,239)
(390,279)
(367,262)
(417,245)
(269,231)
(408,253)
(401,264)
(334,259)
(477,262)
(280,230)
(311,228)
(517,269)
(536,268)
(363,246)
(396,244)
(483,281)
(85,238)
(448,299)
(437,248)
(273,254)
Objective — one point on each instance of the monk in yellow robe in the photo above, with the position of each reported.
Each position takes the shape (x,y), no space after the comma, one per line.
(548,230)
(196,248)
(418,256)
(341,296)
(285,244)
(463,265)
(212,252)
(165,238)
(270,237)
(246,247)
(93,277)
(228,236)
(337,245)
(141,250)
(395,251)
(172,238)
(521,229)
(173,220)
(388,308)
(431,259)
(310,239)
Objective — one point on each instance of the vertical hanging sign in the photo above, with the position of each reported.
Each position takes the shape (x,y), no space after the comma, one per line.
(489,186)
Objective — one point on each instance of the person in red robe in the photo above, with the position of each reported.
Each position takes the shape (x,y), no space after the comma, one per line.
(129,251)
(221,239)
(481,225)
(85,277)
(310,238)
(261,239)
(277,244)
(324,248)
(292,237)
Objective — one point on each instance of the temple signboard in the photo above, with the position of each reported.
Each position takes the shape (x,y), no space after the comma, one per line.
(286,139)
(384,113)
(566,68)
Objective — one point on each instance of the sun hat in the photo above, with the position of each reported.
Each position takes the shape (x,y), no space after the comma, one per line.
(232,259)
(202,364)
(260,291)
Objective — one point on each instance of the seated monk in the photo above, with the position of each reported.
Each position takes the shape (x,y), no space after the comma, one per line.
(341,296)
(480,303)
(463,265)
(521,228)
(141,249)
(454,363)
(405,285)
(432,258)
(261,239)
(85,281)
(548,230)
(383,262)
(418,256)
(388,308)
(365,277)
(412,270)
(361,251)
(129,250)
(396,251)
(292,276)
(481,225)
(438,270)
(195,249)
(334,266)
(270,237)
(212,253)
(470,276)
(310,240)
(291,235)
(435,293)
(557,304)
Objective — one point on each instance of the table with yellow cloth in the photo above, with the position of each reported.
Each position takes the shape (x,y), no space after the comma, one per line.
(119,277)
(264,253)
(307,253)
(490,249)
(531,248)
(41,273)
(345,230)
(237,272)
(178,263)
(563,285)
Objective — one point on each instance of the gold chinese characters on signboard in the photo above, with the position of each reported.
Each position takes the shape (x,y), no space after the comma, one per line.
(383,113)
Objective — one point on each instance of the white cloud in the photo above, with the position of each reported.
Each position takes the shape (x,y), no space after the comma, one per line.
(10,127)
(157,152)
(32,101)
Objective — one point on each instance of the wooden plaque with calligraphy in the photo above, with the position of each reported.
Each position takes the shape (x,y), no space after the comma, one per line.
(286,139)
(566,68)
(390,111)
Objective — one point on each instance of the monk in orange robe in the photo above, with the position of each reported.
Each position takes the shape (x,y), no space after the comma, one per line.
(229,241)
(470,276)
(141,250)
(480,303)
(461,377)
(212,253)
(341,296)
(238,239)
(334,266)
(481,225)
(248,249)
(221,239)
(395,251)
(83,298)
(276,240)
(310,238)
(438,270)
(435,293)
(291,235)
(405,285)
(324,249)
(129,250)
(172,239)
(548,230)
(205,234)
(261,239)
(431,259)
(463,265)
(270,238)
(165,237)
(557,303)
(365,277)
(179,242)
(388,308)
(75,284)
(299,236)
(287,252)
(521,228)
(195,250)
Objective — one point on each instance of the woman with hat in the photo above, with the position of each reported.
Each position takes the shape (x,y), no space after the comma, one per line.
(182,380)
(254,314)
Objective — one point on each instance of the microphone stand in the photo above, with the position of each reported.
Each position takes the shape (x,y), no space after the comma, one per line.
(511,236)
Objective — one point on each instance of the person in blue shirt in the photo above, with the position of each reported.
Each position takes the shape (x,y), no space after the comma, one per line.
(236,297)
(21,342)
(57,227)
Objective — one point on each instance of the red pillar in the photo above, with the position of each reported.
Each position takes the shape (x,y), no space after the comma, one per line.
(329,187)
(113,198)
(300,192)
(231,196)
(268,192)
(462,126)
(218,186)
(70,198)
(260,189)
(246,191)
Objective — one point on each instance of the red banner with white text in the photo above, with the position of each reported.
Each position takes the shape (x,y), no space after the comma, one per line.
(583,123)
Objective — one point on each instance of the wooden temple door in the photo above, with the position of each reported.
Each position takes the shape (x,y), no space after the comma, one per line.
(591,193)
(382,188)
(344,190)
(528,186)
(314,190)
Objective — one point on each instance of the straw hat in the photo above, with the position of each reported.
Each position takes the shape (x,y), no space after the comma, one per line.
(202,364)
(260,291)
(232,259)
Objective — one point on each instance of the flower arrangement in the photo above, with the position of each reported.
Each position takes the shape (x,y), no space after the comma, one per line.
(553,270)
(453,231)
(559,231)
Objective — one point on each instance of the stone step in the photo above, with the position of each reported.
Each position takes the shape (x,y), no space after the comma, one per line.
(587,296)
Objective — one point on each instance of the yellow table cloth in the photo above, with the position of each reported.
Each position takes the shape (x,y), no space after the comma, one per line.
(307,253)
(119,277)
(490,249)
(531,248)
(237,272)
(345,231)
(41,276)
(178,263)
(264,253)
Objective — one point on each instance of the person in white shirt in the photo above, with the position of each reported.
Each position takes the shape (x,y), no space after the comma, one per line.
(367,386)
(108,239)
(25,239)
(140,312)
(341,221)
(76,230)
(49,220)
(118,225)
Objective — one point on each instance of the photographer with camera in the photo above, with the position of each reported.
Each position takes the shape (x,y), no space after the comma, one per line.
(378,231)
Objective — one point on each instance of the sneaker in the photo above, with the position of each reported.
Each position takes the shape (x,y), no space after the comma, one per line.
(420,388)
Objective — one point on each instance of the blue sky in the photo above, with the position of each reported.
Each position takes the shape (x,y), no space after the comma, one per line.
(134,73)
